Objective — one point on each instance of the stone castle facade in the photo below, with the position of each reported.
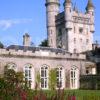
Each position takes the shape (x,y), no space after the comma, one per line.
(69,34)
(70,29)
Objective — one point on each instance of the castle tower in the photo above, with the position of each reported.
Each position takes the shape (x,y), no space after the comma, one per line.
(75,29)
(26,40)
(68,14)
(52,9)
(90,11)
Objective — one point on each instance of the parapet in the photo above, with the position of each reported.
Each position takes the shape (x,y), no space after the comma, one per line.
(24,51)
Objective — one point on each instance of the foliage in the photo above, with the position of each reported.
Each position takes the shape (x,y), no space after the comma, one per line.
(1,45)
(11,85)
(52,79)
(44,43)
(21,94)
(11,88)
(91,82)
(69,94)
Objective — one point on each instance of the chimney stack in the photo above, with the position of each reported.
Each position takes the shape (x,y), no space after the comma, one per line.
(26,40)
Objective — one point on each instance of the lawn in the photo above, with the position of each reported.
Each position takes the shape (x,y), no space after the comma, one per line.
(79,94)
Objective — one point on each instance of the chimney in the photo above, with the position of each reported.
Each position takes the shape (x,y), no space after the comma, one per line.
(26,40)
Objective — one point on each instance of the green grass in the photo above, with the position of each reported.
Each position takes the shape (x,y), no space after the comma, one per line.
(80,94)
(84,92)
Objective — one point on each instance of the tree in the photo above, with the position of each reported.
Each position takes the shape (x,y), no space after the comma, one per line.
(52,79)
(1,45)
(44,43)
(11,84)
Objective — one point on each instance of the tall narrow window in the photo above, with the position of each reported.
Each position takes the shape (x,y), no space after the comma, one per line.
(74,78)
(59,77)
(44,77)
(28,75)
(87,31)
(60,32)
(87,41)
(81,30)
(51,41)
(74,40)
(75,51)
(50,31)
(74,29)
(81,40)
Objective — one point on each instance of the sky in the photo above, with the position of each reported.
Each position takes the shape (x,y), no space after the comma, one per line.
(18,17)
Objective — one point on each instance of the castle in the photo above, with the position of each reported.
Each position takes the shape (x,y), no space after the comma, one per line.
(70,33)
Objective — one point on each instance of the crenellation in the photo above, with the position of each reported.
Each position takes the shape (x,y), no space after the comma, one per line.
(40,53)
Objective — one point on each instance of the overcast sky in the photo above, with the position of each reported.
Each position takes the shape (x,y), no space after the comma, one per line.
(20,16)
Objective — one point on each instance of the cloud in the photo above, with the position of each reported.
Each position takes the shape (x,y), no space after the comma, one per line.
(5,24)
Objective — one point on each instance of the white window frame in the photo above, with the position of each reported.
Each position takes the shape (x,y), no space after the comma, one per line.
(28,75)
(44,77)
(74,78)
(59,77)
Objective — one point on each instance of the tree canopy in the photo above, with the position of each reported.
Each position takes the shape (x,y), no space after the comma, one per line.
(1,45)
(44,43)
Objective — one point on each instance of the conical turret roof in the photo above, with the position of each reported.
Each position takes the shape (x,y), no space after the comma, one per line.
(89,5)
(67,1)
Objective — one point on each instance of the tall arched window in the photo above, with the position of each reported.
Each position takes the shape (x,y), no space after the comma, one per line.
(12,66)
(29,77)
(60,77)
(74,77)
(44,77)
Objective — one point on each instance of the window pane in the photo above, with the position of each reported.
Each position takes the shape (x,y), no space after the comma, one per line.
(59,77)
(42,73)
(42,82)
(44,77)
(28,77)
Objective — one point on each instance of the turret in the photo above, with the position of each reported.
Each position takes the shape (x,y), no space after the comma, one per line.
(90,7)
(68,14)
(90,11)
(52,9)
(26,40)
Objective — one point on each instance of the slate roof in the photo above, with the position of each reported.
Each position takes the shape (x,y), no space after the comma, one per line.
(89,5)
(33,49)
(60,20)
(60,16)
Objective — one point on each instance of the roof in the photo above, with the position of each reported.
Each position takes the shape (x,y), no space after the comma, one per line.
(60,15)
(89,5)
(60,18)
(33,49)
(67,1)
(26,34)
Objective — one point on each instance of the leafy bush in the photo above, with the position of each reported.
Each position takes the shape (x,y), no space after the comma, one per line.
(90,82)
